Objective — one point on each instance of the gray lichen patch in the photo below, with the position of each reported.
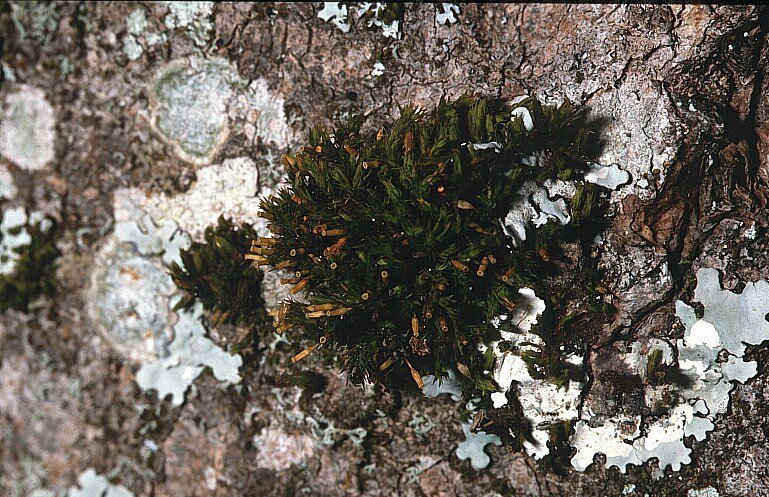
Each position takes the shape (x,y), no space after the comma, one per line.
(194,17)
(189,106)
(231,189)
(27,129)
(138,37)
(279,450)
(196,104)
(128,300)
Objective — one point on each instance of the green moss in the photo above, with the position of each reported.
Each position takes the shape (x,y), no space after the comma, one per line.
(396,237)
(216,273)
(34,274)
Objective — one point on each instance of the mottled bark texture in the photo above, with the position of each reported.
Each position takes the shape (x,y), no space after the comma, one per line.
(680,98)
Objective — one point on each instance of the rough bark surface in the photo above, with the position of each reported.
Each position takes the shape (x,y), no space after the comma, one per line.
(680,97)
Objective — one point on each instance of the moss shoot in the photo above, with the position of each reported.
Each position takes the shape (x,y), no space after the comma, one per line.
(215,273)
(395,236)
(34,267)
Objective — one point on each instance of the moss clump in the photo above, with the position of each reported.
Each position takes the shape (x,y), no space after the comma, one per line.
(396,238)
(34,273)
(216,273)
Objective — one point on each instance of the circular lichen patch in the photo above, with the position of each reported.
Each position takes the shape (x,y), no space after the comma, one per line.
(189,101)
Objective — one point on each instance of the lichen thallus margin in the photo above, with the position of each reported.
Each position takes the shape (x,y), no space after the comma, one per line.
(395,241)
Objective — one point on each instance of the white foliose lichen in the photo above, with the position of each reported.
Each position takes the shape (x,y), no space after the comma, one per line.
(710,356)
(92,484)
(27,129)
(188,354)
(230,189)
(611,177)
(131,299)
(137,37)
(13,235)
(534,204)
(336,12)
(434,387)
(378,70)
(525,116)
(472,447)
(446,13)
(543,402)
(391,30)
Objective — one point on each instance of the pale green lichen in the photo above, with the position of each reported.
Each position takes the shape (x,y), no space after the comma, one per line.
(92,484)
(132,298)
(193,103)
(27,129)
(193,17)
(189,107)
(473,447)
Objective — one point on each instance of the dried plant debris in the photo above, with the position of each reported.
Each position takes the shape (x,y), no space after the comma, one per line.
(91,484)
(216,274)
(684,387)
(27,258)
(396,237)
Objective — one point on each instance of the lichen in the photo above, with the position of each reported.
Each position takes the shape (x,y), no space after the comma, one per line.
(336,12)
(189,107)
(279,451)
(473,447)
(387,16)
(544,403)
(132,297)
(708,359)
(193,17)
(447,14)
(188,354)
(197,104)
(27,128)
(92,484)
